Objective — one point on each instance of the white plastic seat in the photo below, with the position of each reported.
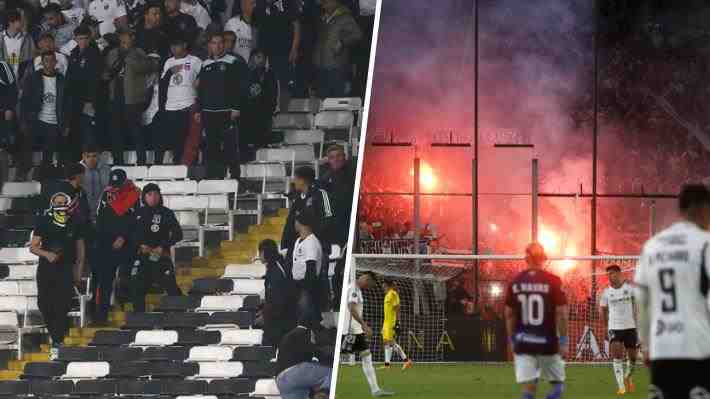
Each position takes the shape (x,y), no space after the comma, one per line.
(18,288)
(155,338)
(170,187)
(304,105)
(254,270)
(249,287)
(266,387)
(21,304)
(341,104)
(17,255)
(22,272)
(336,120)
(134,172)
(219,370)
(221,303)
(288,120)
(21,189)
(294,153)
(130,157)
(185,202)
(241,337)
(196,397)
(167,172)
(267,171)
(294,137)
(218,186)
(210,354)
(86,370)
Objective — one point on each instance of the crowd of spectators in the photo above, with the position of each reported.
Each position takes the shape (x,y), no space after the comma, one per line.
(168,75)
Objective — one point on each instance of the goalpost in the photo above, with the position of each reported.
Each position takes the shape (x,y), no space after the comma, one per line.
(429,332)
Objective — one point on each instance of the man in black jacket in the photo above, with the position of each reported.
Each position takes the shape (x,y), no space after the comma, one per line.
(298,374)
(179,24)
(83,77)
(307,195)
(156,231)
(115,223)
(339,182)
(8,103)
(222,87)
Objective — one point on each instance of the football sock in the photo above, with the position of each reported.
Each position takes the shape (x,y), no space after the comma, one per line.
(629,368)
(556,392)
(619,372)
(388,354)
(369,371)
(400,352)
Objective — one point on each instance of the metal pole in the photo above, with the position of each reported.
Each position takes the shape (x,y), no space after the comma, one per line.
(535,204)
(474,188)
(417,262)
(594,152)
(652,219)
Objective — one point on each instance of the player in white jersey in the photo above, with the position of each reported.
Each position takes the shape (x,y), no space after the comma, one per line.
(672,296)
(619,315)
(358,333)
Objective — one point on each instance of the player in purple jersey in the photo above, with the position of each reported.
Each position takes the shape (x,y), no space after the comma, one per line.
(536,319)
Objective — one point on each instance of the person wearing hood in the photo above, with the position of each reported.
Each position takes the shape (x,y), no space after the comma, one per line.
(279,294)
(259,107)
(58,243)
(337,34)
(156,231)
(115,222)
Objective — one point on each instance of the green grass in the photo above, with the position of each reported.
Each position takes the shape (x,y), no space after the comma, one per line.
(454,381)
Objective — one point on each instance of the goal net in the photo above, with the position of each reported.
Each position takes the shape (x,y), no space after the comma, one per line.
(442,320)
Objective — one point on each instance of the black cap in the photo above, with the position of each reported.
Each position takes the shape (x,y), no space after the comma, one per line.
(117,178)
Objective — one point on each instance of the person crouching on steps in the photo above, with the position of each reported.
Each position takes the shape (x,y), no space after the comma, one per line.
(157,230)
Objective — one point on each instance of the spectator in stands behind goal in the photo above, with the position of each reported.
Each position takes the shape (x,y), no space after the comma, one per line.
(58,243)
(337,34)
(307,269)
(156,231)
(259,107)
(280,294)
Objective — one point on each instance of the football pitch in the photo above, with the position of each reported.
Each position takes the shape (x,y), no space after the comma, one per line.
(459,381)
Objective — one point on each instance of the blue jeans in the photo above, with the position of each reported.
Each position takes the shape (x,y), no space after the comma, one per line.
(297,382)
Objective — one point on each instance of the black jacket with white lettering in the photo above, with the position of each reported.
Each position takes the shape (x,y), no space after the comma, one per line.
(223,84)
(157,226)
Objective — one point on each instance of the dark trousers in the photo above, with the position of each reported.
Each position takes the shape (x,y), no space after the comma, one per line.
(104,271)
(125,124)
(55,291)
(44,137)
(332,82)
(285,74)
(174,128)
(222,150)
(146,273)
(361,55)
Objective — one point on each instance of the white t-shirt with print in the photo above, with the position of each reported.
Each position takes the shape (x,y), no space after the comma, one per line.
(244,43)
(106,12)
(304,251)
(181,89)
(48,112)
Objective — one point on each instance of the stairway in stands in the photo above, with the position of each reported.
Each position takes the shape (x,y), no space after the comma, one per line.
(240,251)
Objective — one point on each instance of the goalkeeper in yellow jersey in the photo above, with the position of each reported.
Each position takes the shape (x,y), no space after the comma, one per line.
(391,325)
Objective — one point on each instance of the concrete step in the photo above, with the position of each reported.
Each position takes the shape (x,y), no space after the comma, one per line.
(206,272)
(282,212)
(266,229)
(7,375)
(36,357)
(16,365)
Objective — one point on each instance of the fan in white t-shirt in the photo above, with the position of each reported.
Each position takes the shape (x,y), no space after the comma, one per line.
(180,74)
(242,26)
(46,43)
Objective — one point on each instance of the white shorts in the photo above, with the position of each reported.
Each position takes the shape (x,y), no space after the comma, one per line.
(529,368)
